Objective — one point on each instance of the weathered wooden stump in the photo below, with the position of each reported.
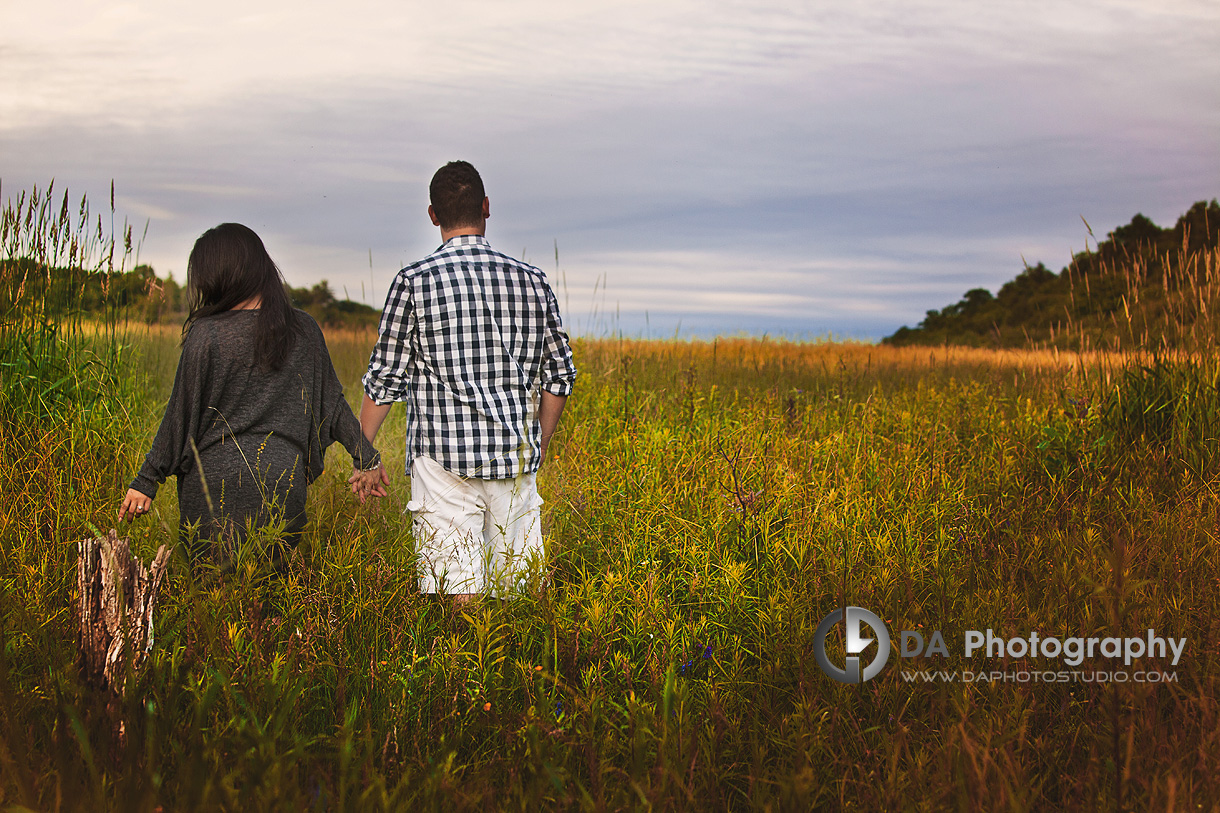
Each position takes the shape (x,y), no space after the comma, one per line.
(117,598)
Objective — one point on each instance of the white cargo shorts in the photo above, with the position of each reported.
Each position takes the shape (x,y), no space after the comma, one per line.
(473,535)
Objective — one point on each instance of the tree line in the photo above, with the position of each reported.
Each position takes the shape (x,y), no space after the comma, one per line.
(1141,286)
(139,294)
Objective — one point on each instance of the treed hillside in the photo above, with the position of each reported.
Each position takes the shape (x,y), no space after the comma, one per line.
(141,295)
(320,303)
(1143,286)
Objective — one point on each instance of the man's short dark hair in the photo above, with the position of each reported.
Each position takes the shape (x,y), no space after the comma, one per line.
(457,195)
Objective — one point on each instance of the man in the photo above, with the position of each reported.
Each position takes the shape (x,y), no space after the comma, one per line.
(472,341)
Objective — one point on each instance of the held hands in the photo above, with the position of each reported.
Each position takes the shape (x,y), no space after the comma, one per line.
(135,504)
(370,483)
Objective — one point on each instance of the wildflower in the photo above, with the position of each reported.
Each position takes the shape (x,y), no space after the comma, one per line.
(707,653)
(487,706)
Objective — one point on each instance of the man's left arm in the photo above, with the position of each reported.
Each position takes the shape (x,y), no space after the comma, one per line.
(558,373)
(549,410)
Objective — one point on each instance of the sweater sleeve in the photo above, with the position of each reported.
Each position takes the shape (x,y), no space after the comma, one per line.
(345,428)
(336,422)
(171,451)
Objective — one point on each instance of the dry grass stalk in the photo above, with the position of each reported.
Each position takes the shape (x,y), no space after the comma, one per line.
(117,598)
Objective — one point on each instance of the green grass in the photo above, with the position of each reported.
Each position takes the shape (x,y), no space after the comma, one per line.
(707,505)
(705,500)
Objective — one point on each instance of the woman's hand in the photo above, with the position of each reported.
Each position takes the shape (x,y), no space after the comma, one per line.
(369,483)
(135,504)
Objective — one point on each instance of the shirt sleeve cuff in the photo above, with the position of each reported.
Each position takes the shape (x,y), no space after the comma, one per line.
(379,394)
(367,458)
(560,386)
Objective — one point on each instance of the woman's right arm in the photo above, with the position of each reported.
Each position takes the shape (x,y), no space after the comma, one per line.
(171,451)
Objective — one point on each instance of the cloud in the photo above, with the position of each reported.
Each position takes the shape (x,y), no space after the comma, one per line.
(884,157)
(141,209)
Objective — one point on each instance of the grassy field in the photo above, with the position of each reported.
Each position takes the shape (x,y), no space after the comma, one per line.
(707,505)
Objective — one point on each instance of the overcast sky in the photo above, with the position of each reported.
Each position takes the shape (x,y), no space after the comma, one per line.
(785,168)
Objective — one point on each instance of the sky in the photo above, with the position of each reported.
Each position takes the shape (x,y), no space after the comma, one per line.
(677,167)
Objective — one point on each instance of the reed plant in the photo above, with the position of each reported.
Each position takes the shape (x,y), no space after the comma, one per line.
(708,503)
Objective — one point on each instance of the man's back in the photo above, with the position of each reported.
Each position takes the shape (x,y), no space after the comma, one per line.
(468,338)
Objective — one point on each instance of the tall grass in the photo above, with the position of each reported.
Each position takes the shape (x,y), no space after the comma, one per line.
(1144,302)
(67,389)
(707,505)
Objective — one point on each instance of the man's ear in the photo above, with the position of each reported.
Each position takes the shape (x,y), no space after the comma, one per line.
(486,208)
(432,213)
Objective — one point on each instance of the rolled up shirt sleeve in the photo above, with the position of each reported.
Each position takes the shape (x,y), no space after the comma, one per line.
(387,378)
(558,369)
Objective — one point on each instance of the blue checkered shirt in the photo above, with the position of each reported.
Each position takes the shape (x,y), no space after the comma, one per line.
(468,338)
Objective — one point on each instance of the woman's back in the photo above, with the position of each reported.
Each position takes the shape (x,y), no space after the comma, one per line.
(268,414)
(260,434)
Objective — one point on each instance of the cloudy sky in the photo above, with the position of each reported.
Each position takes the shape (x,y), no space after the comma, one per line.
(796,168)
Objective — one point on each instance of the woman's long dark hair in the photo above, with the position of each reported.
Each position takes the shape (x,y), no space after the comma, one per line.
(228,266)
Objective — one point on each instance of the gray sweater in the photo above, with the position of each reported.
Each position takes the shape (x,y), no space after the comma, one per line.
(260,435)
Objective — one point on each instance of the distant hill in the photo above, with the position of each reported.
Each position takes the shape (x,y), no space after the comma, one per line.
(141,294)
(320,303)
(1143,286)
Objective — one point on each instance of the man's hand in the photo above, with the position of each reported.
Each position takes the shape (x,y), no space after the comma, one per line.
(369,483)
(135,504)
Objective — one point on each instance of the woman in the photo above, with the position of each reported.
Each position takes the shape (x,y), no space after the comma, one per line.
(255,403)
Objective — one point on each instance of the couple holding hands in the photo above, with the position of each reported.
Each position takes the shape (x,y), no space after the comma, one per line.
(470,339)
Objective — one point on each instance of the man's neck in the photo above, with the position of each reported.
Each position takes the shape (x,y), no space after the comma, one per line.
(459,231)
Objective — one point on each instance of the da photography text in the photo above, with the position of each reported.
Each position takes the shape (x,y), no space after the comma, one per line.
(1072,650)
